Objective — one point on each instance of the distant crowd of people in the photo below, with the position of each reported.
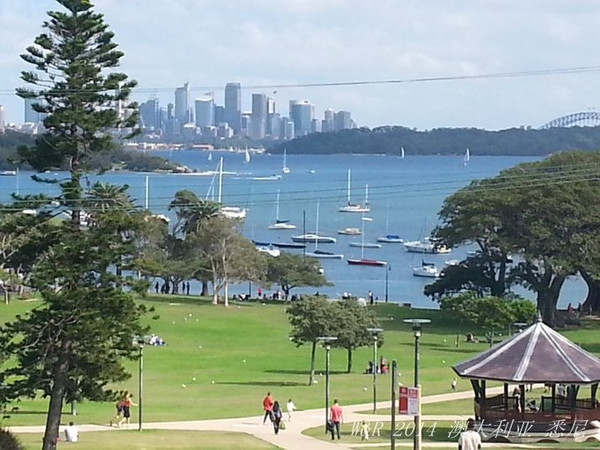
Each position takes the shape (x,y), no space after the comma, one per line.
(172,288)
(381,368)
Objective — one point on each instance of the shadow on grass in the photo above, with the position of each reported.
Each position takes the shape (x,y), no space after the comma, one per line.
(318,372)
(262,383)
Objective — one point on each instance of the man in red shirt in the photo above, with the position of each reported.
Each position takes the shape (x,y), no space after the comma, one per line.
(267,406)
(336,417)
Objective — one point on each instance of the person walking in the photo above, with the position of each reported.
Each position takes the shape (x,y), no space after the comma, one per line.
(290,407)
(119,408)
(453,384)
(276,416)
(336,416)
(267,406)
(469,439)
(127,404)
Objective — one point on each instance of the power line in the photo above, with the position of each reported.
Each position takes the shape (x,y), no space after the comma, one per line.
(325,84)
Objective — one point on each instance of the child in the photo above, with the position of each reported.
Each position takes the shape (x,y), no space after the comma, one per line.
(364,431)
(290,409)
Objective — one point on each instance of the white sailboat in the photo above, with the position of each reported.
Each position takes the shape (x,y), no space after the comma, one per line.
(402,152)
(232,212)
(355,207)
(246,156)
(467,157)
(280,224)
(365,261)
(321,253)
(285,168)
(389,238)
(210,156)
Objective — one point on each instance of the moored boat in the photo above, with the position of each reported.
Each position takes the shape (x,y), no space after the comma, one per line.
(322,254)
(314,238)
(364,245)
(425,246)
(390,239)
(366,262)
(350,231)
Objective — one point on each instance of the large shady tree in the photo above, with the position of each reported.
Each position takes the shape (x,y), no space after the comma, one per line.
(71,347)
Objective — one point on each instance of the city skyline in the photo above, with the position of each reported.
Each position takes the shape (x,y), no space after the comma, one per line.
(440,55)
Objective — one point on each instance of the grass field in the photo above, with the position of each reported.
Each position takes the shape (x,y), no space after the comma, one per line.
(219,362)
(176,440)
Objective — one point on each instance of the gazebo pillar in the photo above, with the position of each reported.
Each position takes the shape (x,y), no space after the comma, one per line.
(553,404)
(594,391)
(506,396)
(522,399)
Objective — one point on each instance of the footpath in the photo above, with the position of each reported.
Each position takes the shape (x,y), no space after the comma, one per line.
(292,438)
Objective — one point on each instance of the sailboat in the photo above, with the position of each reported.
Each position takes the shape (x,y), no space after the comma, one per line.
(232,212)
(246,156)
(467,157)
(354,207)
(280,224)
(364,261)
(402,152)
(389,238)
(210,156)
(285,168)
(321,253)
(362,243)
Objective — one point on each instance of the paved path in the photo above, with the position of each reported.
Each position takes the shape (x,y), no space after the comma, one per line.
(292,438)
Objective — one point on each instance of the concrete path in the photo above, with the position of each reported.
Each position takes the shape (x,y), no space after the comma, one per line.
(292,438)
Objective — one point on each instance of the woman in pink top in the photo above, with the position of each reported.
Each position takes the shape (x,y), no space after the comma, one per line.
(336,418)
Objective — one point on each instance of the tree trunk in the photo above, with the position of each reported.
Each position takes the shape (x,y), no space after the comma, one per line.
(349,368)
(592,300)
(57,396)
(313,353)
(204,291)
(547,298)
(226,293)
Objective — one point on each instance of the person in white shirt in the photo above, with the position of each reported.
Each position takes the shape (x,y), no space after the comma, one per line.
(469,439)
(71,433)
(290,407)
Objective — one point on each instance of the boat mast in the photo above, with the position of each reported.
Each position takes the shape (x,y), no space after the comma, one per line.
(220,179)
(348,186)
(317,226)
(277,208)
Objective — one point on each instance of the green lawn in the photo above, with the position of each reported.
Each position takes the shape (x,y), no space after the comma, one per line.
(220,362)
(155,439)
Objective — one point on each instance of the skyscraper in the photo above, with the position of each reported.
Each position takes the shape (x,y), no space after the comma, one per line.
(343,120)
(149,114)
(301,113)
(258,123)
(233,105)
(205,112)
(181,104)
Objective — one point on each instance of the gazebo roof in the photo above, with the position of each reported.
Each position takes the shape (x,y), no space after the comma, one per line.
(536,355)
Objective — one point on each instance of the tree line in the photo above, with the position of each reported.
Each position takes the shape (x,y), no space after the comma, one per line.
(389,140)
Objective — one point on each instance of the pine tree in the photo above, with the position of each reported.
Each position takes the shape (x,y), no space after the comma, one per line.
(73,345)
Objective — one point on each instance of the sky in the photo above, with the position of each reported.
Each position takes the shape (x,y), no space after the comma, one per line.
(268,43)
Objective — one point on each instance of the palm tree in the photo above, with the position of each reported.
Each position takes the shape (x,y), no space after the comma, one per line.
(191,211)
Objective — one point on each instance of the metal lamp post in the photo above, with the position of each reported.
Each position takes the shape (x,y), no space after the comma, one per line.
(417,325)
(387,271)
(140,383)
(327,340)
(375,332)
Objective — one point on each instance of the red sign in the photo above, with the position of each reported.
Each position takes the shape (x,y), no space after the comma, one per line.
(409,400)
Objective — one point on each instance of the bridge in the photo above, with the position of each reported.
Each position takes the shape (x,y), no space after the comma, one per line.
(584,119)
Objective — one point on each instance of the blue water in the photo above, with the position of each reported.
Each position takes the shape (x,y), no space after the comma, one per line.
(405,196)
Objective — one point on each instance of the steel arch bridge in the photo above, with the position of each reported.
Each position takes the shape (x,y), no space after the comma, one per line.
(586,119)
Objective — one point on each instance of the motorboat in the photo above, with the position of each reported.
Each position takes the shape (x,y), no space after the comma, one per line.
(314,238)
(231,212)
(426,270)
(390,239)
(322,254)
(8,173)
(366,262)
(350,231)
(267,178)
(425,246)
(269,250)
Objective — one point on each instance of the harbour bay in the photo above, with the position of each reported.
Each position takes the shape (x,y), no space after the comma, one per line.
(404,194)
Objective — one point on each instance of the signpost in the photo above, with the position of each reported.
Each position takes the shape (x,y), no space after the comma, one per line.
(409,400)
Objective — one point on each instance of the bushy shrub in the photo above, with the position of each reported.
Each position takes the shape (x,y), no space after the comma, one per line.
(9,441)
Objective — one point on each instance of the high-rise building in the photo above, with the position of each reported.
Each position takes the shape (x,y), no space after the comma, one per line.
(301,113)
(258,123)
(205,112)
(342,120)
(233,106)
(327,124)
(181,104)
(150,114)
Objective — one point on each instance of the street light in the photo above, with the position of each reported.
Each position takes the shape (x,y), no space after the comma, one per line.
(140,383)
(389,267)
(417,325)
(374,332)
(327,340)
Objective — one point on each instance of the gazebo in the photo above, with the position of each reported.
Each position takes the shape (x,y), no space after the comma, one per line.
(538,354)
